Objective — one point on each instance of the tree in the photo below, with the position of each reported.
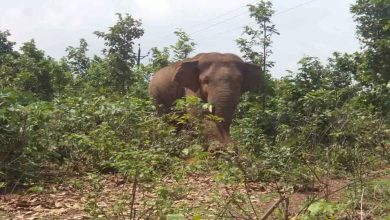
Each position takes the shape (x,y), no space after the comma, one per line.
(41,75)
(183,47)
(119,51)
(373,30)
(34,72)
(259,38)
(310,75)
(77,58)
(120,37)
(160,58)
(61,76)
(341,68)
(256,45)
(6,46)
(98,75)
(8,67)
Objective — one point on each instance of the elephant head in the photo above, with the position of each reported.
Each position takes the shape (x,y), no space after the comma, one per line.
(218,79)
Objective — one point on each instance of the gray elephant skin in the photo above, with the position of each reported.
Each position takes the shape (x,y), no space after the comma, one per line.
(217,78)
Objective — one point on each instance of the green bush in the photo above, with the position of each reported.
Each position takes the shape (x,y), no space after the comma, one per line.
(22,151)
(93,133)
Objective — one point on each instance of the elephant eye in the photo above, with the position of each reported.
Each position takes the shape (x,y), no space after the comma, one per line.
(205,80)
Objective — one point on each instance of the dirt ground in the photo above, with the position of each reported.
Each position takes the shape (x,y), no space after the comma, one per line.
(71,197)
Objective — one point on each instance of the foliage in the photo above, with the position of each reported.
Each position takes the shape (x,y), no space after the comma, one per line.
(256,47)
(322,210)
(259,37)
(183,47)
(6,46)
(22,149)
(119,51)
(315,118)
(77,58)
(93,115)
(34,73)
(377,195)
(120,37)
(7,60)
(373,30)
(159,58)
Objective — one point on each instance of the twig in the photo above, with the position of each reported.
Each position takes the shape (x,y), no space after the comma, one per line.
(243,210)
(306,206)
(273,207)
(314,172)
(239,165)
(151,208)
(17,183)
(286,204)
(134,190)
(315,197)
(249,196)
(361,205)
(227,204)
(236,217)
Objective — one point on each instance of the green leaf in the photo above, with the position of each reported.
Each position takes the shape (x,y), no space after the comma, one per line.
(185,151)
(175,217)
(315,208)
(36,189)
(197,217)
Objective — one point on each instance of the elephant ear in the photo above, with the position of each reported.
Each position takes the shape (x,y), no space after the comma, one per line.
(187,75)
(253,77)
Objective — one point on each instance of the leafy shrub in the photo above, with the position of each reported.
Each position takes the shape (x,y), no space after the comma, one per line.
(22,150)
(89,133)
(323,210)
(303,133)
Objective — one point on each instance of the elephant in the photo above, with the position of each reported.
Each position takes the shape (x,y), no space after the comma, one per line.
(217,78)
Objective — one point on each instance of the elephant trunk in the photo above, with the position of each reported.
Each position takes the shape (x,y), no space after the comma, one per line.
(224,108)
(226,113)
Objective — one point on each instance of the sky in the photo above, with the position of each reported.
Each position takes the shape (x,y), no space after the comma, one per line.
(307,27)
